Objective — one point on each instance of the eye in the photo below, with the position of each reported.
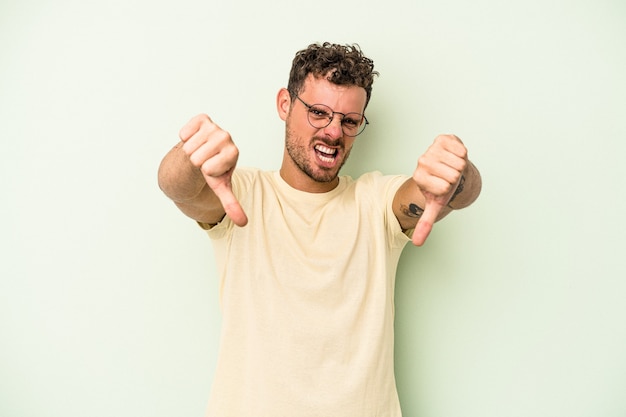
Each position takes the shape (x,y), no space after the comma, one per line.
(352,120)
(319,112)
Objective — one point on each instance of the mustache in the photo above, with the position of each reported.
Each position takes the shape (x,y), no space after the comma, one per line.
(337,143)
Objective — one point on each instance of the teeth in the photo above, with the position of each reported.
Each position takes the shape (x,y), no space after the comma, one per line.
(326,150)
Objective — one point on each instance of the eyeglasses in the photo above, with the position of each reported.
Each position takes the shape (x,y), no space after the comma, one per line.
(320,116)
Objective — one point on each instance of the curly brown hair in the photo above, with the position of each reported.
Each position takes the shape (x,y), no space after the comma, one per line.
(341,64)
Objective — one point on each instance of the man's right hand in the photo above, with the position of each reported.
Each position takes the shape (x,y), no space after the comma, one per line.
(212,150)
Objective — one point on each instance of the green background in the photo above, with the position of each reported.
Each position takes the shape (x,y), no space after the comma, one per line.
(108,295)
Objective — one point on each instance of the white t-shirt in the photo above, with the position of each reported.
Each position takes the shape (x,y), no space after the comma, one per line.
(307,297)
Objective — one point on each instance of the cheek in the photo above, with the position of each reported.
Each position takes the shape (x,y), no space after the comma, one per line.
(299,127)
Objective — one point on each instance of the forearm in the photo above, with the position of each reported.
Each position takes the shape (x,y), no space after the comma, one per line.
(409,202)
(184,184)
(178,178)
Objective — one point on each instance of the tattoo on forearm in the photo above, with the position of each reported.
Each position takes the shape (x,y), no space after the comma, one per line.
(413,210)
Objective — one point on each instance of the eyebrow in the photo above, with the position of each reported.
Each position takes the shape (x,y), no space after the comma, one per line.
(313,103)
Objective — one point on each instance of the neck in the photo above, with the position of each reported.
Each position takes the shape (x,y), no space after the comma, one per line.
(299,180)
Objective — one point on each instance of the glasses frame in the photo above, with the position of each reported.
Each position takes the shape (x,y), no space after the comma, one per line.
(332,117)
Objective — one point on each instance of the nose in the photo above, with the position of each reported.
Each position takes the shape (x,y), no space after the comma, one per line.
(334,129)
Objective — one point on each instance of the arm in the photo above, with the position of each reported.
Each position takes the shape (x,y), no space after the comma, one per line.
(196,173)
(444,180)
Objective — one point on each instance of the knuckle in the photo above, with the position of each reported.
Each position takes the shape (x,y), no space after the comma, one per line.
(205,168)
(440,188)
(423,161)
(231,152)
(463,164)
(202,119)
(456,178)
(209,168)
(462,152)
(187,149)
(196,160)
(222,137)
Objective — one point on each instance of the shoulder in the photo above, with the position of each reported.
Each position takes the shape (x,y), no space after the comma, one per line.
(246,173)
(380,183)
(245,177)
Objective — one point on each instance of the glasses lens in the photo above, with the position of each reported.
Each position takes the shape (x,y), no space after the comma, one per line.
(353,124)
(320,115)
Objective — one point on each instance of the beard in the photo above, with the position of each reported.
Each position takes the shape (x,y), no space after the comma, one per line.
(300,154)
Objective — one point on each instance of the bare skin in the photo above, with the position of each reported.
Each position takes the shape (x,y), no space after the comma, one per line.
(196,173)
(303,142)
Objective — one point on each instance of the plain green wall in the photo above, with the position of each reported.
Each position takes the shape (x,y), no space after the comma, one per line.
(108,296)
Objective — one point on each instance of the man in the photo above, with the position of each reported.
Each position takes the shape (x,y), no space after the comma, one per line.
(307,258)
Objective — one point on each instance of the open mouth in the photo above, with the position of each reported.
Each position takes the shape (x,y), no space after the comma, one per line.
(325,153)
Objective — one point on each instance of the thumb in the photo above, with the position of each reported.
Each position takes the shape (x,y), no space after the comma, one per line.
(425,224)
(231,205)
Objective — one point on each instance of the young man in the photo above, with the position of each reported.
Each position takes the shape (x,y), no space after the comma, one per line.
(307,258)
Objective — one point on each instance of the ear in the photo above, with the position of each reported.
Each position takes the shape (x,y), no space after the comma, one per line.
(283,103)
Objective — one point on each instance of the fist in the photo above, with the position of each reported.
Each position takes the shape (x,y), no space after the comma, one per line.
(212,150)
(438,173)
(440,168)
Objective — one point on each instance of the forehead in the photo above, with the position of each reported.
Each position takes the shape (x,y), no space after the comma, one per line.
(349,98)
